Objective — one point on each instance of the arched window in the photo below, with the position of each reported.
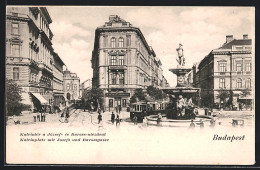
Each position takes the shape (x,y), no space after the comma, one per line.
(121,42)
(248,83)
(16,73)
(68,96)
(68,86)
(113,42)
(239,83)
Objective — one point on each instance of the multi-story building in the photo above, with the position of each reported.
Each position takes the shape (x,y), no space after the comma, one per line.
(226,68)
(122,61)
(84,86)
(29,53)
(58,92)
(71,85)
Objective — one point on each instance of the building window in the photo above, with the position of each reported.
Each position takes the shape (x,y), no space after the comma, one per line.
(124,102)
(75,86)
(110,102)
(239,67)
(222,83)
(113,60)
(121,60)
(121,78)
(68,86)
(248,67)
(113,42)
(15,50)
(113,77)
(128,41)
(248,83)
(222,67)
(15,28)
(16,73)
(239,83)
(121,42)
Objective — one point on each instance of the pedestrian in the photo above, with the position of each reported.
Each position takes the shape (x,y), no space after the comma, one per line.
(42,114)
(145,122)
(240,106)
(212,123)
(34,115)
(135,119)
(38,115)
(159,119)
(192,125)
(99,118)
(201,123)
(112,117)
(117,120)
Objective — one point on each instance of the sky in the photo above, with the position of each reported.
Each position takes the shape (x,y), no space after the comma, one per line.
(198,29)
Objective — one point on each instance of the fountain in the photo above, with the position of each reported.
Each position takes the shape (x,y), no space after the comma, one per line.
(182,97)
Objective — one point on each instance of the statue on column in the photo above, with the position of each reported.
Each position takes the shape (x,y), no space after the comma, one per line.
(181,59)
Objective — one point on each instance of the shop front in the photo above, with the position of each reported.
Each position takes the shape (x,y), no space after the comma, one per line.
(114,101)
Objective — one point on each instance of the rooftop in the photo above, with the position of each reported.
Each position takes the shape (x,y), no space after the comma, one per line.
(236,42)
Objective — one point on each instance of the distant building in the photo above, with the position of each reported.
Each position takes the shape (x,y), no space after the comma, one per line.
(84,86)
(29,53)
(226,68)
(58,92)
(122,61)
(71,86)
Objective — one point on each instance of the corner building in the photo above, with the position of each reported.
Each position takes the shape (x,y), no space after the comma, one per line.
(229,68)
(122,61)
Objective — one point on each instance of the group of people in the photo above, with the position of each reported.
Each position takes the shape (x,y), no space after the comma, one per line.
(39,114)
(115,118)
(64,113)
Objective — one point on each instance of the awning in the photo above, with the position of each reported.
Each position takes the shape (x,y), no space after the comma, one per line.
(26,99)
(246,97)
(40,98)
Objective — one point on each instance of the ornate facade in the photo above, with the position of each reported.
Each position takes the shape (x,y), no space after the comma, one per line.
(29,53)
(71,85)
(123,61)
(226,68)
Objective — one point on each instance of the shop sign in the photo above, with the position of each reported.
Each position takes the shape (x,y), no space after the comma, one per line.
(34,89)
(189,91)
(117,94)
(117,67)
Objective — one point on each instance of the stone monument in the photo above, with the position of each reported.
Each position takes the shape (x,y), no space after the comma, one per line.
(181,71)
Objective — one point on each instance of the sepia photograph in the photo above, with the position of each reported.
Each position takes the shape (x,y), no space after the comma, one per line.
(130,85)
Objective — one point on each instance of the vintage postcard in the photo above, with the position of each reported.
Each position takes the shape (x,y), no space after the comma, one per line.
(130,85)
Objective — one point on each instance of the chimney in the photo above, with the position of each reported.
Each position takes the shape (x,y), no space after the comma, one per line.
(245,36)
(111,17)
(229,38)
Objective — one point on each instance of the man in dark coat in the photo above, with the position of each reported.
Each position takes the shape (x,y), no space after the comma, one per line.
(113,117)
(99,118)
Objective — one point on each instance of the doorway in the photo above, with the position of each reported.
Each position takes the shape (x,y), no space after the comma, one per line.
(117,101)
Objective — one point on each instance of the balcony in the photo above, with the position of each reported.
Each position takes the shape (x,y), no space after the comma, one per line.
(117,67)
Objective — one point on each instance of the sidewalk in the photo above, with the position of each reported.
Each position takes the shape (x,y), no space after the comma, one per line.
(27,118)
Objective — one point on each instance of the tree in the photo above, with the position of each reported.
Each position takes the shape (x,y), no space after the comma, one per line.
(156,93)
(223,95)
(13,98)
(138,94)
(94,95)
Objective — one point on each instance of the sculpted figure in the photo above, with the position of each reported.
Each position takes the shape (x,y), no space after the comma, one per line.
(181,59)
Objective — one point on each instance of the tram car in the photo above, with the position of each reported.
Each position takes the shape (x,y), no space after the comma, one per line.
(142,109)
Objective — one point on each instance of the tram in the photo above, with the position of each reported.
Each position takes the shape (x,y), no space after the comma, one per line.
(142,109)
